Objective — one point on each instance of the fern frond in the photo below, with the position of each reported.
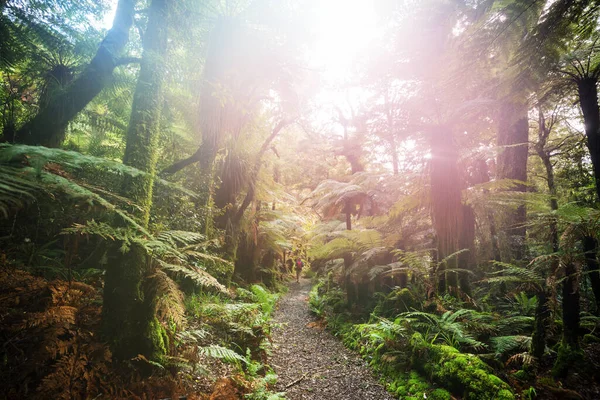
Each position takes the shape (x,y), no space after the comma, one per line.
(180,238)
(199,276)
(169,300)
(193,336)
(16,190)
(221,353)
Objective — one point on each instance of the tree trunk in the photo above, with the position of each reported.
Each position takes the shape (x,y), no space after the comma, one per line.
(569,352)
(125,299)
(128,320)
(590,247)
(570,307)
(48,127)
(446,207)
(513,137)
(348,284)
(245,262)
(348,211)
(588,100)
(542,314)
(141,149)
(466,242)
(483,176)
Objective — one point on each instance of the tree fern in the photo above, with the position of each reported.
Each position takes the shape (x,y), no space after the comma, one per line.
(38,157)
(196,274)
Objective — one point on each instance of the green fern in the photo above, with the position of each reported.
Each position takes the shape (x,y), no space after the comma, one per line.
(450,327)
(16,190)
(196,274)
(504,345)
(222,353)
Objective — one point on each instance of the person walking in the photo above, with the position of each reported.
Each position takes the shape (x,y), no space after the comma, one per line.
(299,266)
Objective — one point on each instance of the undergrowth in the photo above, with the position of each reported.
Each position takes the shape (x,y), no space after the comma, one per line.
(416,353)
(52,346)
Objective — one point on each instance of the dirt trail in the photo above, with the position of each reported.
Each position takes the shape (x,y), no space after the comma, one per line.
(312,361)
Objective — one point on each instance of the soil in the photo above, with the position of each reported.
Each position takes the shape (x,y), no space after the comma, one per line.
(310,362)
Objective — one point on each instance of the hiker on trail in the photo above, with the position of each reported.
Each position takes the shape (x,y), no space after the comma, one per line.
(299,266)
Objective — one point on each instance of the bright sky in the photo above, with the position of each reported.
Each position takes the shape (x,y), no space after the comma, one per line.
(345,29)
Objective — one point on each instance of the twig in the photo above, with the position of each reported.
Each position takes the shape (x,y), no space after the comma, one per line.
(296,381)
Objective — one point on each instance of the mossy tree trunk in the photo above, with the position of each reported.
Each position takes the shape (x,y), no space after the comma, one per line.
(48,127)
(129,320)
(245,262)
(542,312)
(512,138)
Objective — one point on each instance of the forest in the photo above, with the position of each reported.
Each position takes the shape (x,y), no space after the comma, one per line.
(430,169)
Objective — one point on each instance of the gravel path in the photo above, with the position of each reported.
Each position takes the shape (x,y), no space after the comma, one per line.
(316,364)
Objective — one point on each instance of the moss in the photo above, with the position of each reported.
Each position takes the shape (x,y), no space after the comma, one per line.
(505,394)
(464,375)
(401,391)
(158,339)
(405,300)
(439,394)
(567,358)
(521,375)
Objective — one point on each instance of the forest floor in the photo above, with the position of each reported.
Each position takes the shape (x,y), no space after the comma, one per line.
(310,362)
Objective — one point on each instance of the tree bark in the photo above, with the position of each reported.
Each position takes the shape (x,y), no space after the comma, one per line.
(569,352)
(542,312)
(571,307)
(588,100)
(48,127)
(512,138)
(141,150)
(590,247)
(446,206)
(483,176)
(348,212)
(129,307)
(466,242)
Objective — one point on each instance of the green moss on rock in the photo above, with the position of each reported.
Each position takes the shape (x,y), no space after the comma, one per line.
(521,375)
(567,358)
(158,339)
(439,394)
(464,375)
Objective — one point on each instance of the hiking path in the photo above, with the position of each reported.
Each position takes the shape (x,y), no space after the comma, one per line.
(310,362)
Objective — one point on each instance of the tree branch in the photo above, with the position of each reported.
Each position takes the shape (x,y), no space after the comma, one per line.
(181,164)
(254,175)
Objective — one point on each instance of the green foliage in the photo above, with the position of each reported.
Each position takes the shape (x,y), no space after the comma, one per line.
(16,190)
(506,344)
(222,353)
(463,374)
(345,242)
(450,328)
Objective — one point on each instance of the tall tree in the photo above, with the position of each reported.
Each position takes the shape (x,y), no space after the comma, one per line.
(129,319)
(48,127)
